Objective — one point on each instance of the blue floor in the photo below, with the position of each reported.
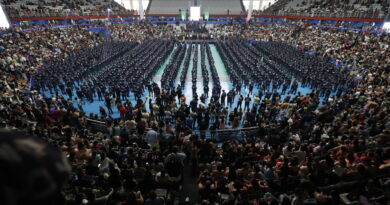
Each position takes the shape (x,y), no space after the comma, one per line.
(93,107)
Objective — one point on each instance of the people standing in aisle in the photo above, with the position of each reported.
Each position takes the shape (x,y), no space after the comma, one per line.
(109,105)
(223,97)
(239,102)
(247,102)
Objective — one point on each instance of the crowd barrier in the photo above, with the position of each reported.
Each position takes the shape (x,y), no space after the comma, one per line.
(239,134)
(365,15)
(278,16)
(200,22)
(197,41)
(96,126)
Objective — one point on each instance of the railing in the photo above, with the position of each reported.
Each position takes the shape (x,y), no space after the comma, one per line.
(197,41)
(322,14)
(366,15)
(96,126)
(239,134)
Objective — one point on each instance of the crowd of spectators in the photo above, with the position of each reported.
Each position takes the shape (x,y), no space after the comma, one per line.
(125,31)
(354,8)
(303,151)
(23,8)
(343,6)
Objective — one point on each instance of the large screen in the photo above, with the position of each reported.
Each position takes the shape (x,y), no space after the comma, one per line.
(386,26)
(195,13)
(3,19)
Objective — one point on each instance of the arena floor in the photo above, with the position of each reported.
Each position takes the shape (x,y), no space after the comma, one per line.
(93,107)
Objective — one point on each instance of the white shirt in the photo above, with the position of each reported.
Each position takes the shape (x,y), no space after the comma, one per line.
(151,137)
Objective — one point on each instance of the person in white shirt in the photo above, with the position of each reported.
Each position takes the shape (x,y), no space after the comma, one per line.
(151,138)
(256,100)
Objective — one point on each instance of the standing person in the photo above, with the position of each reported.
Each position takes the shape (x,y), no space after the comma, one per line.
(203,98)
(174,164)
(230,98)
(108,105)
(247,102)
(194,159)
(122,111)
(103,113)
(221,123)
(236,120)
(99,94)
(206,90)
(150,89)
(151,138)
(223,97)
(79,104)
(179,92)
(256,100)
(250,88)
(183,99)
(69,92)
(239,103)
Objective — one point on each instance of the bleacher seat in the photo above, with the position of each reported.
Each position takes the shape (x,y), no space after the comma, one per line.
(334,7)
(212,6)
(17,8)
(168,6)
(222,6)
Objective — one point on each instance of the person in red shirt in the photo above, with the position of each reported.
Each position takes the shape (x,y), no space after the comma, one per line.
(47,118)
(57,113)
(122,110)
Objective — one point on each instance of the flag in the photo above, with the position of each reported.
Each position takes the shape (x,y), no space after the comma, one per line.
(183,15)
(206,15)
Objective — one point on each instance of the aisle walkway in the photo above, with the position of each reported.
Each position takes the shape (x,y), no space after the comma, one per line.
(188,85)
(157,77)
(177,80)
(189,187)
(199,77)
(211,84)
(222,73)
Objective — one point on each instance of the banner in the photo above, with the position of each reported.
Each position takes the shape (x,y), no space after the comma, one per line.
(206,15)
(183,15)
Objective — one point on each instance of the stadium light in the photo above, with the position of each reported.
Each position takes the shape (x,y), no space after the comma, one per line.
(4,23)
(386,26)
